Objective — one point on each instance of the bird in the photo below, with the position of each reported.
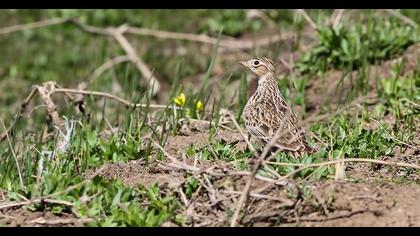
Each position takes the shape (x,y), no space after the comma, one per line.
(267,115)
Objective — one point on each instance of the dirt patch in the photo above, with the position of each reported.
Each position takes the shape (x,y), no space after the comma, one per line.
(178,143)
(349,204)
(379,173)
(138,172)
(23,217)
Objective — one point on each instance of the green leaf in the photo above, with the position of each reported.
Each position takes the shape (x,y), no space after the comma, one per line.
(91,138)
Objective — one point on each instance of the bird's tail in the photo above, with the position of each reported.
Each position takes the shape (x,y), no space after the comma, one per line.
(310,149)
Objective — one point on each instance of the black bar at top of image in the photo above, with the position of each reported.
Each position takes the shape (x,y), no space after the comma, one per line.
(211,4)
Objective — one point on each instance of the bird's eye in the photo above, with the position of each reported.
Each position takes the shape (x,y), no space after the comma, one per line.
(256,63)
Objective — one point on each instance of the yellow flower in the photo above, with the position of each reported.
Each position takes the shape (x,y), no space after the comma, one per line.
(199,106)
(180,100)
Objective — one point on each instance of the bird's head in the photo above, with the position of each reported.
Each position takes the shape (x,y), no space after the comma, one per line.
(261,66)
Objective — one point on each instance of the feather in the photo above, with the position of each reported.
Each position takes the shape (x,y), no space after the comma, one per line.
(268,116)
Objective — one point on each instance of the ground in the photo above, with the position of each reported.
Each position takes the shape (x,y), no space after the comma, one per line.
(189,167)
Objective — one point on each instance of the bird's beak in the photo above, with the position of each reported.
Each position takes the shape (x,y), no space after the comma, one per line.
(243,63)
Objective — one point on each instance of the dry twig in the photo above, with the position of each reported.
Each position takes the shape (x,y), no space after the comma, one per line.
(306,166)
(113,97)
(33,25)
(154,84)
(106,66)
(247,188)
(307,18)
(43,221)
(336,17)
(19,113)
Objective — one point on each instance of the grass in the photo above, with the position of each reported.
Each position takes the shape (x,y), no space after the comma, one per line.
(68,56)
(351,48)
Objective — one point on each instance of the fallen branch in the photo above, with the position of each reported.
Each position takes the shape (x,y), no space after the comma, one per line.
(113,97)
(235,44)
(106,66)
(117,34)
(136,59)
(33,25)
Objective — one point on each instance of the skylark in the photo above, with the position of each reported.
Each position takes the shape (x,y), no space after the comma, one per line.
(268,116)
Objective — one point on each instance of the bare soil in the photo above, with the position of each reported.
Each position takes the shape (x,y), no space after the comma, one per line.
(364,204)
(15,217)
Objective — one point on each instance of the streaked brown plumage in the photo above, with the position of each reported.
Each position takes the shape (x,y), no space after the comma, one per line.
(266,112)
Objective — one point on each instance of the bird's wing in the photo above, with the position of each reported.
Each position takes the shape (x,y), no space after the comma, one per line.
(269,117)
